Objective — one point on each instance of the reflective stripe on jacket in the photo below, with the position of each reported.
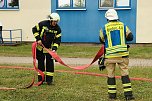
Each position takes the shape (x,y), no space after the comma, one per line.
(115,39)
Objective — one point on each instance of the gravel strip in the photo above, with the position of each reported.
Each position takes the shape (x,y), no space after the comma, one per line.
(70,61)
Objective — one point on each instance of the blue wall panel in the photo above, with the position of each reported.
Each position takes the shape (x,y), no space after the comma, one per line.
(84,26)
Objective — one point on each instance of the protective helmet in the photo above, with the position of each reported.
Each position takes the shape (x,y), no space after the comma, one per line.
(111,14)
(54,17)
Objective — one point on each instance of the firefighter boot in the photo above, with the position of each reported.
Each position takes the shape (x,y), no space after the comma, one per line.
(49,79)
(128,98)
(40,78)
(127,88)
(111,88)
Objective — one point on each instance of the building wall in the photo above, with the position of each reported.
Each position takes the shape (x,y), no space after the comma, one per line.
(29,14)
(78,24)
(33,11)
(144,21)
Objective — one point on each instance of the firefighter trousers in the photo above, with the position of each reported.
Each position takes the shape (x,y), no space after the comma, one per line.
(48,68)
(123,65)
(111,65)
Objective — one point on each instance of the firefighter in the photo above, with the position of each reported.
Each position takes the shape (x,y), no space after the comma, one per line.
(48,33)
(114,36)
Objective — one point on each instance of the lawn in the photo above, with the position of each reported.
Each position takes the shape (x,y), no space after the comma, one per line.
(76,50)
(71,86)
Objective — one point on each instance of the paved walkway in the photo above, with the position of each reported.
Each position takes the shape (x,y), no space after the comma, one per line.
(70,61)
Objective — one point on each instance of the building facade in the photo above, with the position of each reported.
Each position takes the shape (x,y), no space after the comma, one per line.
(80,19)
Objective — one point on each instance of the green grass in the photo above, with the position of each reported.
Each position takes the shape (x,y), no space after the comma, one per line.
(141,52)
(70,86)
(76,50)
(20,50)
(64,50)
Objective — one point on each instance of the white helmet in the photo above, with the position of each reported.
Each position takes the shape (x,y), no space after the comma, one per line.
(111,14)
(54,17)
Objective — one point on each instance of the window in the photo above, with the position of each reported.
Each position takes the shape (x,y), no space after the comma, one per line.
(79,3)
(71,4)
(106,3)
(117,4)
(122,3)
(63,3)
(9,4)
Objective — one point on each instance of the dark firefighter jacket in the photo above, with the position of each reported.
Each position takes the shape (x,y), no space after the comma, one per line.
(49,35)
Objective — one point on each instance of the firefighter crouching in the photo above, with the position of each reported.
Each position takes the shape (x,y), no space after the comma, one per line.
(48,33)
(114,36)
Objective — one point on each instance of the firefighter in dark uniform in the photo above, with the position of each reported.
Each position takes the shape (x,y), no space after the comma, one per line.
(114,36)
(48,33)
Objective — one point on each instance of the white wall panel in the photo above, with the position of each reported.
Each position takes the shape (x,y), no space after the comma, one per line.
(29,14)
(144,21)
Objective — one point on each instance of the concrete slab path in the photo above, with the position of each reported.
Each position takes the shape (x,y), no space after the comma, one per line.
(70,61)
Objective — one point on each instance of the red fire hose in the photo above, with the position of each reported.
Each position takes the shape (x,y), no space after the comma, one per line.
(57,58)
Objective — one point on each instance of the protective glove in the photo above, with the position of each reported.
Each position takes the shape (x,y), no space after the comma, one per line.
(54,51)
(54,48)
(39,42)
(128,46)
(101,63)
